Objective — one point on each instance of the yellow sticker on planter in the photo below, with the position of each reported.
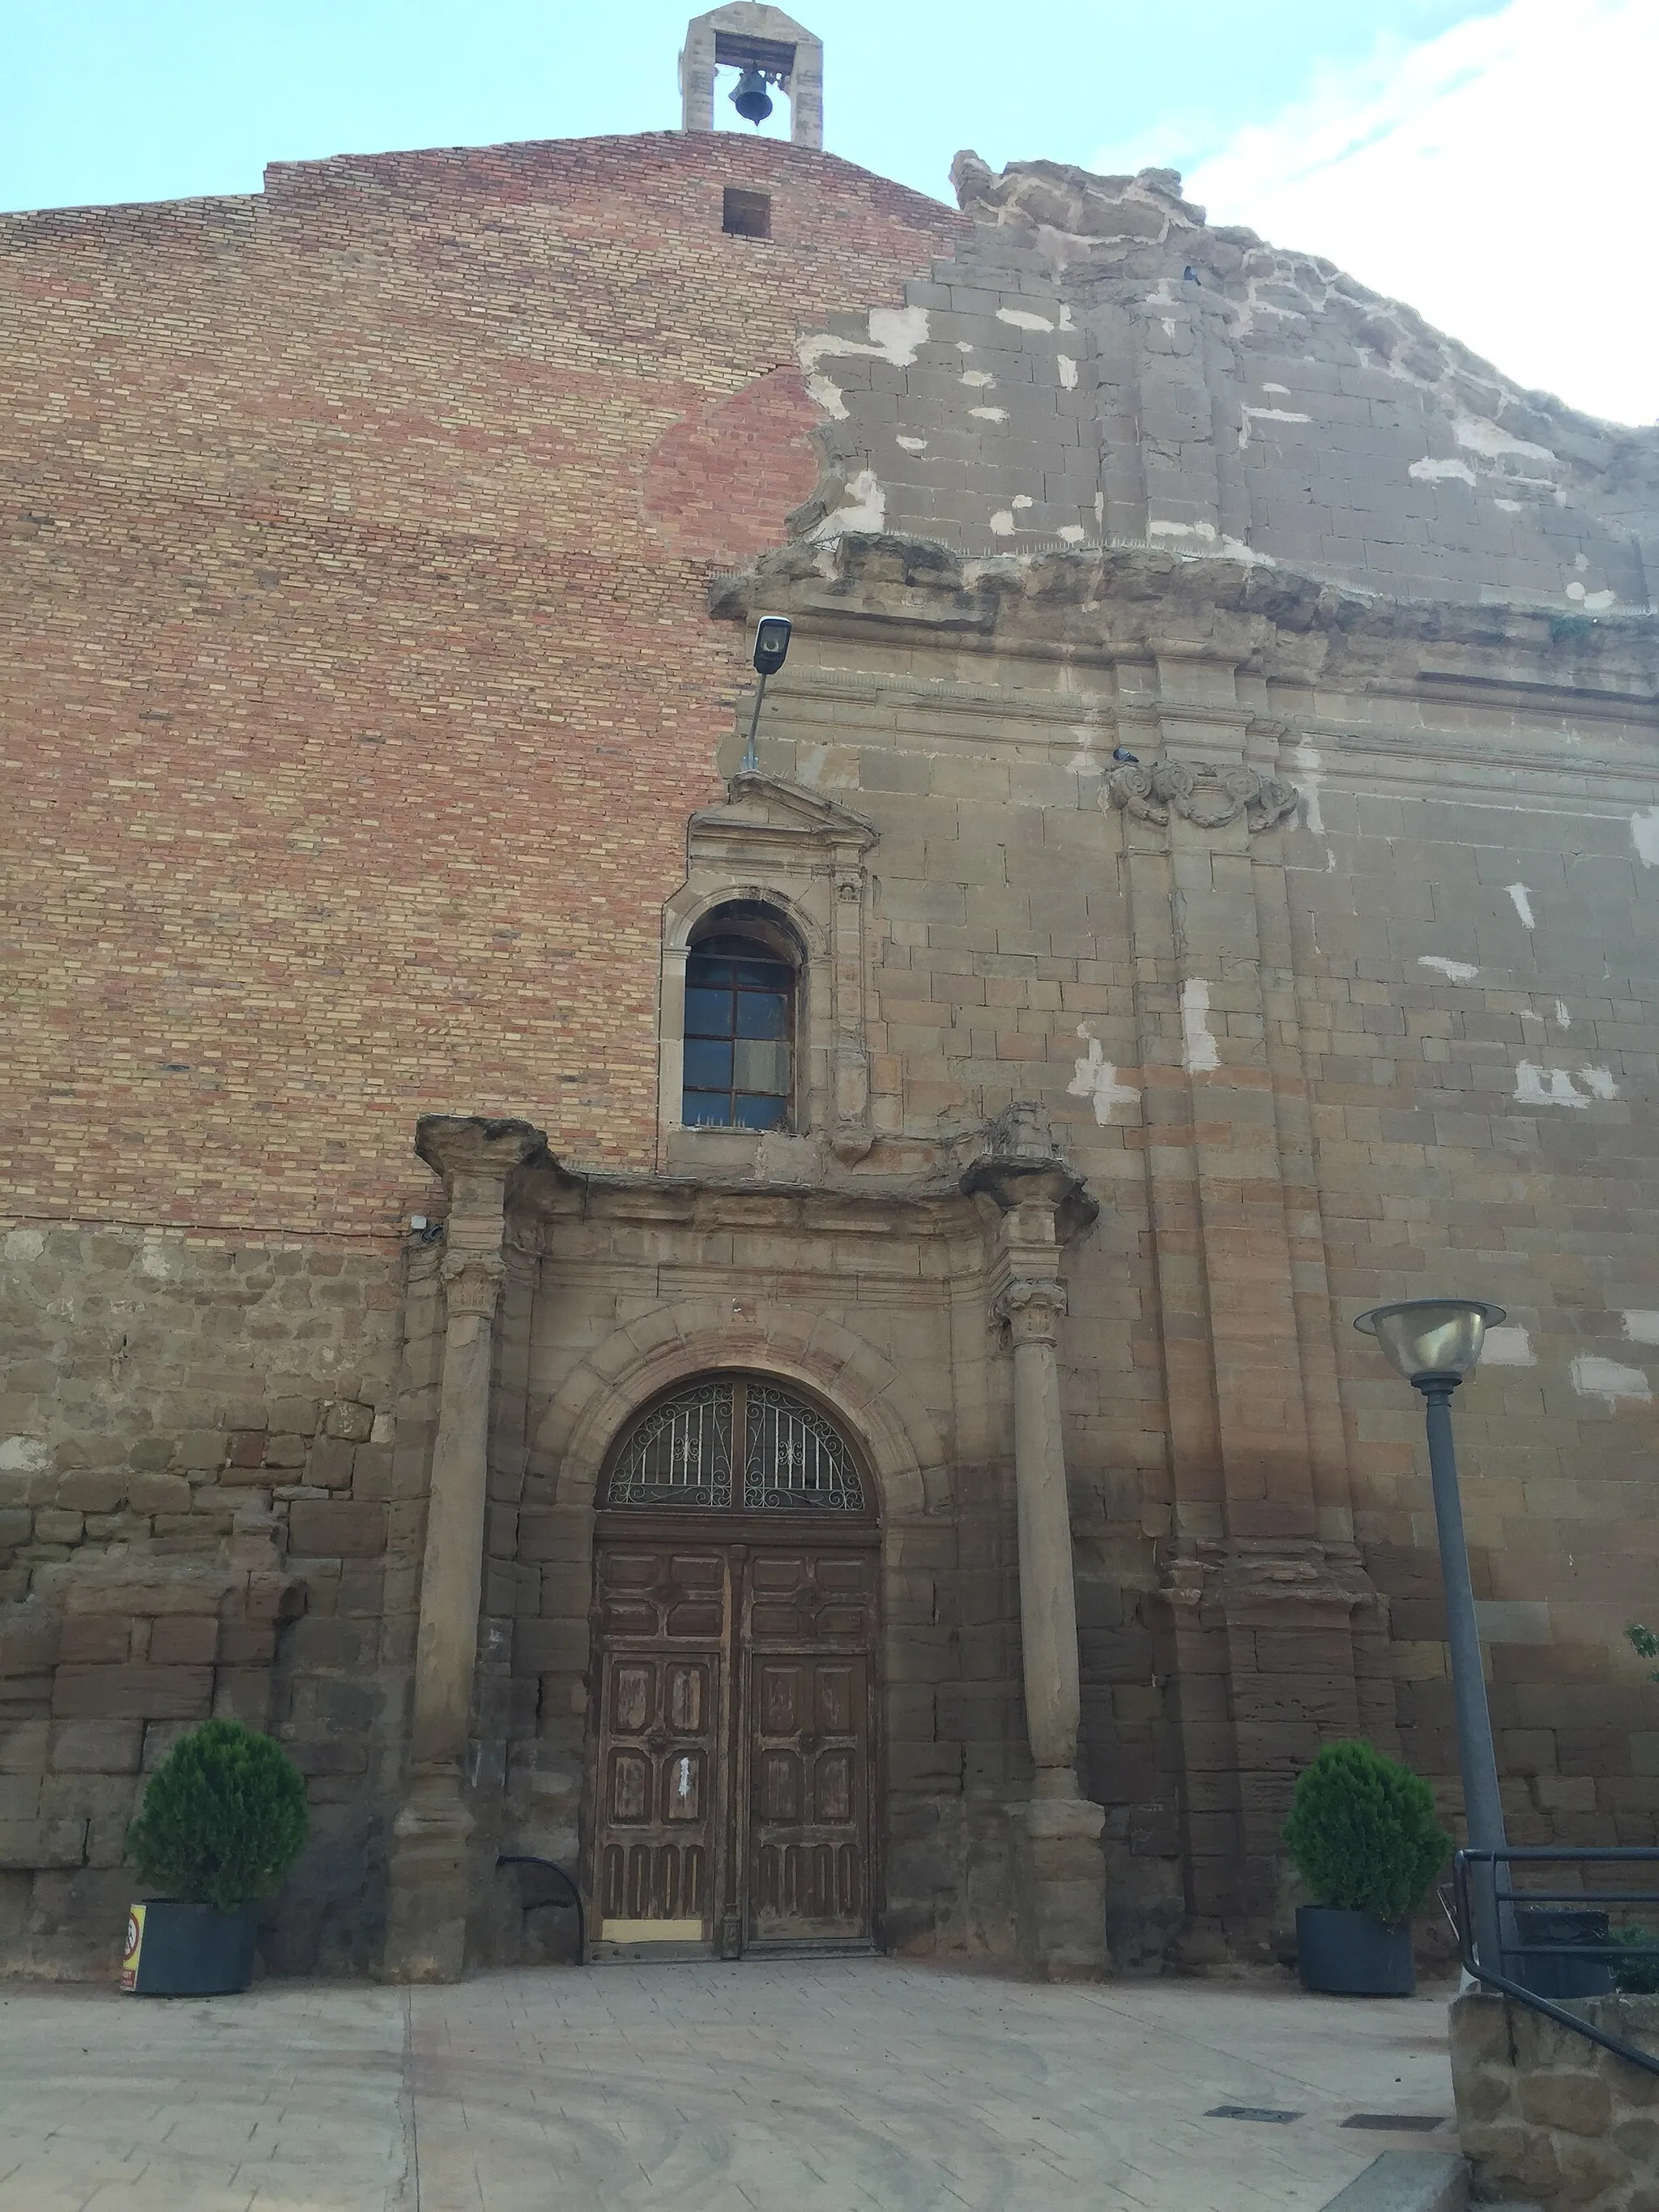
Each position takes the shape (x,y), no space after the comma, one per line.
(135,1945)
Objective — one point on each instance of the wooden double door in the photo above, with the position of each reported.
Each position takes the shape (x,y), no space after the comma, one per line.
(731,1752)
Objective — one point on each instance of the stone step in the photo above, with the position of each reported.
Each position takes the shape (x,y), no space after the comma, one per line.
(1415,2181)
(1407,2181)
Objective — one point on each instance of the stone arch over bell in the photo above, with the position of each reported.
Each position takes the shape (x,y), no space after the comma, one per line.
(678,1343)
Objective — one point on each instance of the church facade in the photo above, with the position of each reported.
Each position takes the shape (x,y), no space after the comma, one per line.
(751,1300)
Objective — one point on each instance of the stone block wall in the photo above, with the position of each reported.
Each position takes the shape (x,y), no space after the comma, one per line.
(1143,377)
(1400,1038)
(1479,1001)
(592,1297)
(1545,2116)
(197,1479)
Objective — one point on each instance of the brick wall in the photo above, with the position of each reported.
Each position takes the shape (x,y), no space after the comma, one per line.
(357,669)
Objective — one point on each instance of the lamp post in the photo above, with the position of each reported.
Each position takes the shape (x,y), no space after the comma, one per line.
(771,649)
(1434,1343)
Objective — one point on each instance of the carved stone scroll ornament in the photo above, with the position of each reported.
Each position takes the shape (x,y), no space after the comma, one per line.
(1206,796)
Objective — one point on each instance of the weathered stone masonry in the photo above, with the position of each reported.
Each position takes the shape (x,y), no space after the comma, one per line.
(369,710)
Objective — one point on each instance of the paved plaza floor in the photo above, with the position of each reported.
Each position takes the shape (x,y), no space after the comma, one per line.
(846,2086)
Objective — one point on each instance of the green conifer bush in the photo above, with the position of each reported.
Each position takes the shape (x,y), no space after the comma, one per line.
(1363,1834)
(1638,1975)
(223,1818)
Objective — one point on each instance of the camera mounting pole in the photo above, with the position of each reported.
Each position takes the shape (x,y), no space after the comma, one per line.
(751,758)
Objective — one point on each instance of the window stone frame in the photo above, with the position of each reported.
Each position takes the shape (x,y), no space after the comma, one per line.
(806,857)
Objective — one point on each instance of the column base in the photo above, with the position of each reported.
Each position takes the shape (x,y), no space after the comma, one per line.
(1059,1888)
(426,1886)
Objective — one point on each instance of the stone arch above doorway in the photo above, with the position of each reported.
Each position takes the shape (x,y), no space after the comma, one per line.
(887,1423)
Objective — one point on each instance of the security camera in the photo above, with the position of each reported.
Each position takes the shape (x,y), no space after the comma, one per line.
(771,643)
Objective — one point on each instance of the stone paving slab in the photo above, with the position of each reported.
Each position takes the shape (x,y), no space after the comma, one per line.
(850,2085)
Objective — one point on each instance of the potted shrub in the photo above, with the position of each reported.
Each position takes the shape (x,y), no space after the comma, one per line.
(1637,1966)
(1364,1839)
(222,1822)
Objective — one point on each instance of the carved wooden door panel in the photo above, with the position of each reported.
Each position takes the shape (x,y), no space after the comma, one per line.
(663,1616)
(808,1620)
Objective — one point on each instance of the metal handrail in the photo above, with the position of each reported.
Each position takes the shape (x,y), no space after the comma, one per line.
(574,1896)
(1508,1897)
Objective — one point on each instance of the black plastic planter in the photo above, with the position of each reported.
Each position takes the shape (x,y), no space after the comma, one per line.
(188,1950)
(1561,1977)
(1353,1955)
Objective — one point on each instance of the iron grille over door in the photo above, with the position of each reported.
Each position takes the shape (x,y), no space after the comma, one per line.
(680,1454)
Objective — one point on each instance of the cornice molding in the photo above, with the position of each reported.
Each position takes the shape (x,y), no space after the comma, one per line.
(1097,605)
(760,806)
(472,1145)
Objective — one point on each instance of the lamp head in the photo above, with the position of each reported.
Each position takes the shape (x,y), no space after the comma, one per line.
(1424,1337)
(771,643)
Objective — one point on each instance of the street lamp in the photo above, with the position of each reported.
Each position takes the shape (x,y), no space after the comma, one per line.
(1434,1342)
(771,650)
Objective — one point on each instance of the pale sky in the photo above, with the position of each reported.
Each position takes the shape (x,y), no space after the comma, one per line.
(1489,163)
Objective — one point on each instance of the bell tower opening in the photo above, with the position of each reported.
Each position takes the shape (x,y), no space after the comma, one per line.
(771,53)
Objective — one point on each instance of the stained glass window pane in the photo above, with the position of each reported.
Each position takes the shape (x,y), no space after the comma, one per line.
(761,1014)
(761,974)
(708,1013)
(757,1067)
(708,1064)
(734,999)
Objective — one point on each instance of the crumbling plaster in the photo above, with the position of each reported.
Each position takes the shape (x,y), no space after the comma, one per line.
(1101,365)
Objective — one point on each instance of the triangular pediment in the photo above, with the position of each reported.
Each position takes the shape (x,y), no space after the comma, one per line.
(761,806)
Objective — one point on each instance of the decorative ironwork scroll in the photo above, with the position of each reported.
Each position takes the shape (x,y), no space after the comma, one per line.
(793,1458)
(680,1454)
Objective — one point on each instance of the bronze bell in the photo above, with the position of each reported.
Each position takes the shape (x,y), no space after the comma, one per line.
(752,99)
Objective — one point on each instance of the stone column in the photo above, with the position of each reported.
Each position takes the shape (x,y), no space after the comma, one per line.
(1263,1592)
(1047,1594)
(426,1907)
(697,75)
(1059,1880)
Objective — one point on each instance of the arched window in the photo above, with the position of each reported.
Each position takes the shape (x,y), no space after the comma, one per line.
(742,985)
(736,1442)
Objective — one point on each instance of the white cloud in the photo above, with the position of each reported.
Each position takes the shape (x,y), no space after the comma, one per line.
(1498,178)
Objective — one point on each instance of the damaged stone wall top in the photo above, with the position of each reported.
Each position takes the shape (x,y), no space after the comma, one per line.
(1083,605)
(1101,364)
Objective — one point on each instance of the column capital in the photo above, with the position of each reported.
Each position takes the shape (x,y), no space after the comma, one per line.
(472,1282)
(1021,1168)
(1032,1306)
(462,1148)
